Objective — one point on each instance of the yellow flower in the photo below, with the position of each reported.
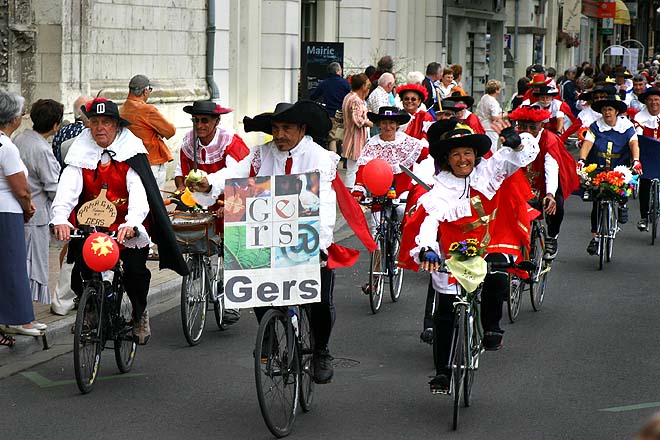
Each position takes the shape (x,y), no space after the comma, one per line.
(471,252)
(590,168)
(472,241)
(453,246)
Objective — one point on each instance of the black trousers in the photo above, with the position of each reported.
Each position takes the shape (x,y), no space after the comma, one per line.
(136,274)
(493,294)
(554,221)
(323,313)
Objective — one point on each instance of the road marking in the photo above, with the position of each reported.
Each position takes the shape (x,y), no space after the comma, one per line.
(632,407)
(44,382)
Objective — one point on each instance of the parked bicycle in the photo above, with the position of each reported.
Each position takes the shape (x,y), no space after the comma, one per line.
(104,314)
(384,260)
(654,209)
(283,366)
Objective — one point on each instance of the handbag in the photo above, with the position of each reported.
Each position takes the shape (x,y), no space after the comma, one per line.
(195,232)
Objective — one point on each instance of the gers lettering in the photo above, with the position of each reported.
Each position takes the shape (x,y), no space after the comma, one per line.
(241,290)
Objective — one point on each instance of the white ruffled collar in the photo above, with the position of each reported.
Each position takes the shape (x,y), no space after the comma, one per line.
(85,152)
(646,119)
(622,124)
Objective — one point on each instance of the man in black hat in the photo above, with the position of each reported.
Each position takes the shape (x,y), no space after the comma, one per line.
(646,122)
(292,151)
(107,153)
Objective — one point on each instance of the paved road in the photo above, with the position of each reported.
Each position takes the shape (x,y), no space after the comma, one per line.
(593,347)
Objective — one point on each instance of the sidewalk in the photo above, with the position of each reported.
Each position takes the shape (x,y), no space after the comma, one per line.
(164,288)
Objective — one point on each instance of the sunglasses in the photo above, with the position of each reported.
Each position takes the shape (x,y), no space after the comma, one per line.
(203,120)
(413,99)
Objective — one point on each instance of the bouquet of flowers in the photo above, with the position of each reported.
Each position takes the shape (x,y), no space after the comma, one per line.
(616,184)
(466,249)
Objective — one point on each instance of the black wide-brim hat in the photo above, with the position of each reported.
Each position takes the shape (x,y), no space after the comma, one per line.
(607,88)
(546,90)
(205,107)
(103,107)
(389,114)
(611,101)
(467,100)
(307,112)
(651,91)
(448,134)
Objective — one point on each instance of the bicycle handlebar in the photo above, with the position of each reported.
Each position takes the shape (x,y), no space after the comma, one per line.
(369,201)
(85,231)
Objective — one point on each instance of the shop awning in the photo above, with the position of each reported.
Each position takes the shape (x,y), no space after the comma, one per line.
(622,13)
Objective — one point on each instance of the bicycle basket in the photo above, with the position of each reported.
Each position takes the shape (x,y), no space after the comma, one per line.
(195,233)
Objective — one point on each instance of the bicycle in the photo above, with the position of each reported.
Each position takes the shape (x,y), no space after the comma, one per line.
(384,260)
(466,346)
(537,281)
(202,288)
(607,227)
(104,314)
(654,209)
(283,366)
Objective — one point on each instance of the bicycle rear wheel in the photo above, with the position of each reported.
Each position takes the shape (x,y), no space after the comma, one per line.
(394,271)
(458,361)
(376,275)
(194,294)
(277,382)
(514,300)
(306,353)
(219,301)
(541,267)
(87,339)
(125,346)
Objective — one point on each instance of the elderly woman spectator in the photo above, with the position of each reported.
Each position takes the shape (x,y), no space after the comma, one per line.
(413,97)
(16,208)
(489,110)
(356,124)
(43,174)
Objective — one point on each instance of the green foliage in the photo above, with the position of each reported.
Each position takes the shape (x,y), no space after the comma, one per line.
(237,256)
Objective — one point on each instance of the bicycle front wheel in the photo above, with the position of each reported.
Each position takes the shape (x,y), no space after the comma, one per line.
(611,232)
(87,339)
(513,301)
(306,352)
(277,382)
(125,346)
(394,271)
(194,294)
(458,361)
(653,211)
(473,350)
(541,267)
(603,229)
(376,275)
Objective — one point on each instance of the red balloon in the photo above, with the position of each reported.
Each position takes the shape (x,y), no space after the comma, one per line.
(100,252)
(377,176)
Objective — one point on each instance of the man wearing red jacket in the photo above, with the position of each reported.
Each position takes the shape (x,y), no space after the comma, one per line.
(551,175)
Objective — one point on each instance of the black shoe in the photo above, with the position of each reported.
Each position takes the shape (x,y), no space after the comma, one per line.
(642,225)
(550,248)
(586,197)
(440,384)
(322,364)
(592,248)
(231,316)
(492,341)
(623,214)
(427,335)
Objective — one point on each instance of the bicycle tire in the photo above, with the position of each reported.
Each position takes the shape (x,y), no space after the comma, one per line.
(376,278)
(395,272)
(194,296)
(539,277)
(274,378)
(514,299)
(653,211)
(457,362)
(611,232)
(87,342)
(602,232)
(125,345)
(306,353)
(473,354)
(219,302)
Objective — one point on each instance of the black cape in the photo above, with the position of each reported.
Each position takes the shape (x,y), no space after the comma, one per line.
(161,228)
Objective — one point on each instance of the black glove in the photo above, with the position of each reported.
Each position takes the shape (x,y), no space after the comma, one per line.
(511,138)
(429,255)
